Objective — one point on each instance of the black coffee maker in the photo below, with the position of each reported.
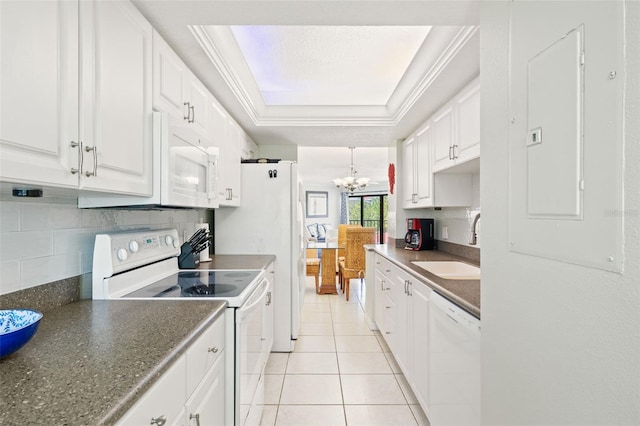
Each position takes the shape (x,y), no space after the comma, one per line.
(420,235)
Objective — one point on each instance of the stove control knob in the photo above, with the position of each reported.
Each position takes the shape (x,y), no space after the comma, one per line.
(133,246)
(122,254)
(168,240)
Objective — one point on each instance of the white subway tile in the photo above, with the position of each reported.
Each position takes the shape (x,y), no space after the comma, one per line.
(50,216)
(96,218)
(138,218)
(86,261)
(74,240)
(9,216)
(25,245)
(10,279)
(43,270)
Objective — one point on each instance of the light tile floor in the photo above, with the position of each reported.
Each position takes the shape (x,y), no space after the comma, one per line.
(341,373)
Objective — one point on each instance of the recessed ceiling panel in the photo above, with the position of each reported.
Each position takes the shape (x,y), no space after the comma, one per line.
(328,65)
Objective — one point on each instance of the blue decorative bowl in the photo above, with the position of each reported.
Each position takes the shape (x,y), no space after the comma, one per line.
(17,327)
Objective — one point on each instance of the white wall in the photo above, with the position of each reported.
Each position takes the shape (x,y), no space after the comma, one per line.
(41,242)
(560,342)
(333,219)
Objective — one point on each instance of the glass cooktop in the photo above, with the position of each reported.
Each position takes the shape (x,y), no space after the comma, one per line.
(217,283)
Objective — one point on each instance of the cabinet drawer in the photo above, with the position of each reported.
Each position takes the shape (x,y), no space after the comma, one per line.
(165,399)
(204,353)
(383,265)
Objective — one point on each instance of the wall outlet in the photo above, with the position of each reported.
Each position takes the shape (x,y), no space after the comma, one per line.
(445,233)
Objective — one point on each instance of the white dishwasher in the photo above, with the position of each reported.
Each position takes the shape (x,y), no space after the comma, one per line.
(454,364)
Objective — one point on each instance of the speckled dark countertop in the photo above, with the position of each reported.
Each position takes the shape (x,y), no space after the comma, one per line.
(464,293)
(237,261)
(90,360)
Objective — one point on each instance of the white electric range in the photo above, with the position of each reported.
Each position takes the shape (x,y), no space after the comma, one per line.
(143,265)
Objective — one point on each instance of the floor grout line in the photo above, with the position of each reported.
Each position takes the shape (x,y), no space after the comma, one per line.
(335,312)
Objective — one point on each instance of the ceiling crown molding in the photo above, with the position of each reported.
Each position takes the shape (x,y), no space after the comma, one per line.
(438,50)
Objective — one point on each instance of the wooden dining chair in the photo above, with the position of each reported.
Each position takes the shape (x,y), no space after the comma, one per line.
(313,266)
(342,239)
(354,264)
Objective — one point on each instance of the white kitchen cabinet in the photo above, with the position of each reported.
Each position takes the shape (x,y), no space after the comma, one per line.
(456,129)
(192,390)
(467,109)
(76,96)
(408,172)
(164,401)
(206,405)
(197,104)
(203,354)
(169,79)
(384,312)
(39,92)
(417,160)
(249,148)
(398,293)
(443,142)
(115,102)
(176,90)
(230,172)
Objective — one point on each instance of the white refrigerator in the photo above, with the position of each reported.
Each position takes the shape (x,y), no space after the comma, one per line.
(270,221)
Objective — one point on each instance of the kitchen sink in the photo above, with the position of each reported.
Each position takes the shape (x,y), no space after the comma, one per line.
(450,270)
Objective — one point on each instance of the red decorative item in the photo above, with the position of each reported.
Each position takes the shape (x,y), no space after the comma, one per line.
(392,177)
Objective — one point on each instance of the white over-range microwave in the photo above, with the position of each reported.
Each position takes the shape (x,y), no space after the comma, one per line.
(185,170)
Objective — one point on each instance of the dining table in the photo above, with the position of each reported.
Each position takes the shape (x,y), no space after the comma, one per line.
(328,265)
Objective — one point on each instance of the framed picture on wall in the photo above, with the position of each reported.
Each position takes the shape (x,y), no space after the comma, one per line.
(317,204)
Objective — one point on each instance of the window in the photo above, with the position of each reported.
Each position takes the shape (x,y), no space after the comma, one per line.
(370,211)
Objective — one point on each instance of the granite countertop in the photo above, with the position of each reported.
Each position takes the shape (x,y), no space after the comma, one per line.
(237,261)
(91,360)
(464,293)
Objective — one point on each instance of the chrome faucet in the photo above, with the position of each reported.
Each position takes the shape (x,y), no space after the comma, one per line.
(474,234)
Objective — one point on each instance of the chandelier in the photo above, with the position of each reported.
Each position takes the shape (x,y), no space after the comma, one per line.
(351,182)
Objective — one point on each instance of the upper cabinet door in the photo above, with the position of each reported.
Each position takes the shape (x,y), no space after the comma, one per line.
(230,171)
(39,92)
(408,173)
(443,142)
(197,104)
(424,180)
(116,111)
(169,74)
(467,107)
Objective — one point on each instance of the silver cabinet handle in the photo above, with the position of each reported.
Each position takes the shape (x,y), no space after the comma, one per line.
(454,149)
(95,160)
(80,157)
(229,194)
(450,154)
(195,416)
(160,421)
(187,110)
(192,114)
(268,298)
(214,349)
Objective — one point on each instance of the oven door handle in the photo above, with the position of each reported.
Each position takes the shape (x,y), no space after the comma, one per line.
(243,310)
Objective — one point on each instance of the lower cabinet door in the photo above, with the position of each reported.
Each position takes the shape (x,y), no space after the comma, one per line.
(164,402)
(206,405)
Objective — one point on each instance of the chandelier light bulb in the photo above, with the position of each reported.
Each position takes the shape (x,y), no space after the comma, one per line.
(351,183)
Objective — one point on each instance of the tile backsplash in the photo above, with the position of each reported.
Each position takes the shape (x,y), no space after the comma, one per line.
(41,242)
